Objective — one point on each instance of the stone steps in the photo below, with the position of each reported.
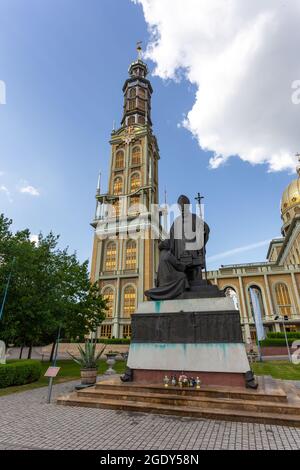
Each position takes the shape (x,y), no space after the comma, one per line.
(183,411)
(272,403)
(272,395)
(189,401)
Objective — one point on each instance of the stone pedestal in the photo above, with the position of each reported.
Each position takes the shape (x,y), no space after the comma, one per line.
(195,336)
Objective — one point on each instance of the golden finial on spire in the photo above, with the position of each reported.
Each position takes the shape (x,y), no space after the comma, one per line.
(298,166)
(139,49)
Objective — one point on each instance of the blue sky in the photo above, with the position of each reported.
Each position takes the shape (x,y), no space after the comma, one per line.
(64,63)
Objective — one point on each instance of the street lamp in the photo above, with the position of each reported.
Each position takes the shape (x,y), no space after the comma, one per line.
(283,320)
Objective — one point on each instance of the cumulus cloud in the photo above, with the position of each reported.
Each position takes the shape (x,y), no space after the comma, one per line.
(243,58)
(29,190)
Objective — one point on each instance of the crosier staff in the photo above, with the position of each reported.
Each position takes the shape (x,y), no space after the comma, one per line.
(199,198)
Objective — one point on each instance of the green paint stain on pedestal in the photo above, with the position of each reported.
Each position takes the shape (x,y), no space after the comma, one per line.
(157,306)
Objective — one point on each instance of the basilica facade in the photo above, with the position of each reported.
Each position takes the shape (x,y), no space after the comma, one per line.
(275,282)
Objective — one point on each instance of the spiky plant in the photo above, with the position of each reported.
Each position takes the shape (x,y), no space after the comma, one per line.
(88,357)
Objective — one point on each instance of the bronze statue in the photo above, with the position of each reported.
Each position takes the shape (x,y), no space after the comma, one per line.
(182,257)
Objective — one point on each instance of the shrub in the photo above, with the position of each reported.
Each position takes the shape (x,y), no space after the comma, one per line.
(19,372)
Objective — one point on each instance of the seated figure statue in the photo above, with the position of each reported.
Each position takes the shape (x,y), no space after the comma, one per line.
(171,278)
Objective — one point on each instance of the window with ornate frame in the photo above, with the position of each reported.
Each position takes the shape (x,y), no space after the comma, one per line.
(105,331)
(283,299)
(126,331)
(111,257)
(108,295)
(129,301)
(135,181)
(119,161)
(136,155)
(130,255)
(132,93)
(118,185)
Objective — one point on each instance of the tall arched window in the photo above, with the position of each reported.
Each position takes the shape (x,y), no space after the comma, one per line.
(108,295)
(119,162)
(132,93)
(129,301)
(231,292)
(135,181)
(256,301)
(130,255)
(283,299)
(111,257)
(136,158)
(116,208)
(131,120)
(118,185)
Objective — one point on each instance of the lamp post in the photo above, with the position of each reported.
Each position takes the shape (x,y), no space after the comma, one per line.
(283,320)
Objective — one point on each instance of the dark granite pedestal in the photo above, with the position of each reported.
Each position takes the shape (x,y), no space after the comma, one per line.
(195,335)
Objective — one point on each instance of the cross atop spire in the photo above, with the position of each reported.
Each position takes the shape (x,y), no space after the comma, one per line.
(139,49)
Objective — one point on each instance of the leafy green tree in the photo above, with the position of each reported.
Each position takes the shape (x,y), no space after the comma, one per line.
(49,289)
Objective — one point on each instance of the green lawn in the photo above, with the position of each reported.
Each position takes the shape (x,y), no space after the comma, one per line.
(69,371)
(277,369)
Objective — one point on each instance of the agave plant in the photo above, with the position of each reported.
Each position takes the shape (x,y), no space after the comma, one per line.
(88,357)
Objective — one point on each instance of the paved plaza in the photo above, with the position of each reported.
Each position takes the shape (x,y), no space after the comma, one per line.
(27,422)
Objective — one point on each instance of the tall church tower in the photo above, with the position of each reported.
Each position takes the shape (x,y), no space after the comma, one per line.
(125,253)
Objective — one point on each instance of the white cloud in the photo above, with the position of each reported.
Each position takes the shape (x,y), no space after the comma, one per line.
(243,58)
(5,190)
(29,190)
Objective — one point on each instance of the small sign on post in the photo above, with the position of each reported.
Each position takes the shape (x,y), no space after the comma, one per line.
(52,371)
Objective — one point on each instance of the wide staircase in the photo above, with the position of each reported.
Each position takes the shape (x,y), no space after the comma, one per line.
(274,402)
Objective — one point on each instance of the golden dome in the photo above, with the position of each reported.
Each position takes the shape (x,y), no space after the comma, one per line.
(291,196)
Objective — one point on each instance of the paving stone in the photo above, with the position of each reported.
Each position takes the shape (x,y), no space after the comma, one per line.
(27,422)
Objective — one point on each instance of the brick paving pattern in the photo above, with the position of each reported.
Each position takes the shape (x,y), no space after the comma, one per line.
(27,422)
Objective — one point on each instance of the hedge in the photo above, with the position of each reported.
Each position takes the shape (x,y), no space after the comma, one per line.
(279,342)
(19,372)
(290,334)
(114,340)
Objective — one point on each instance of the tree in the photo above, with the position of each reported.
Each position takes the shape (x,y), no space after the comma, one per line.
(49,289)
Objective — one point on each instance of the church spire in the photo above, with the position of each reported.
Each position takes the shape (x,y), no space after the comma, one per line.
(137,91)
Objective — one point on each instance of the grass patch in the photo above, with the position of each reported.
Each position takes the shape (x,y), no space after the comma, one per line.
(278,369)
(69,371)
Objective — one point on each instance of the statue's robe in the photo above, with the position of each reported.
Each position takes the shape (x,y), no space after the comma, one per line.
(188,237)
(171,279)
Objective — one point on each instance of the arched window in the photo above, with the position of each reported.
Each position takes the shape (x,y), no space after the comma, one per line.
(108,295)
(132,93)
(118,185)
(134,205)
(131,120)
(141,120)
(231,292)
(136,157)
(111,257)
(135,181)
(119,162)
(129,301)
(256,301)
(283,299)
(130,255)
(142,93)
